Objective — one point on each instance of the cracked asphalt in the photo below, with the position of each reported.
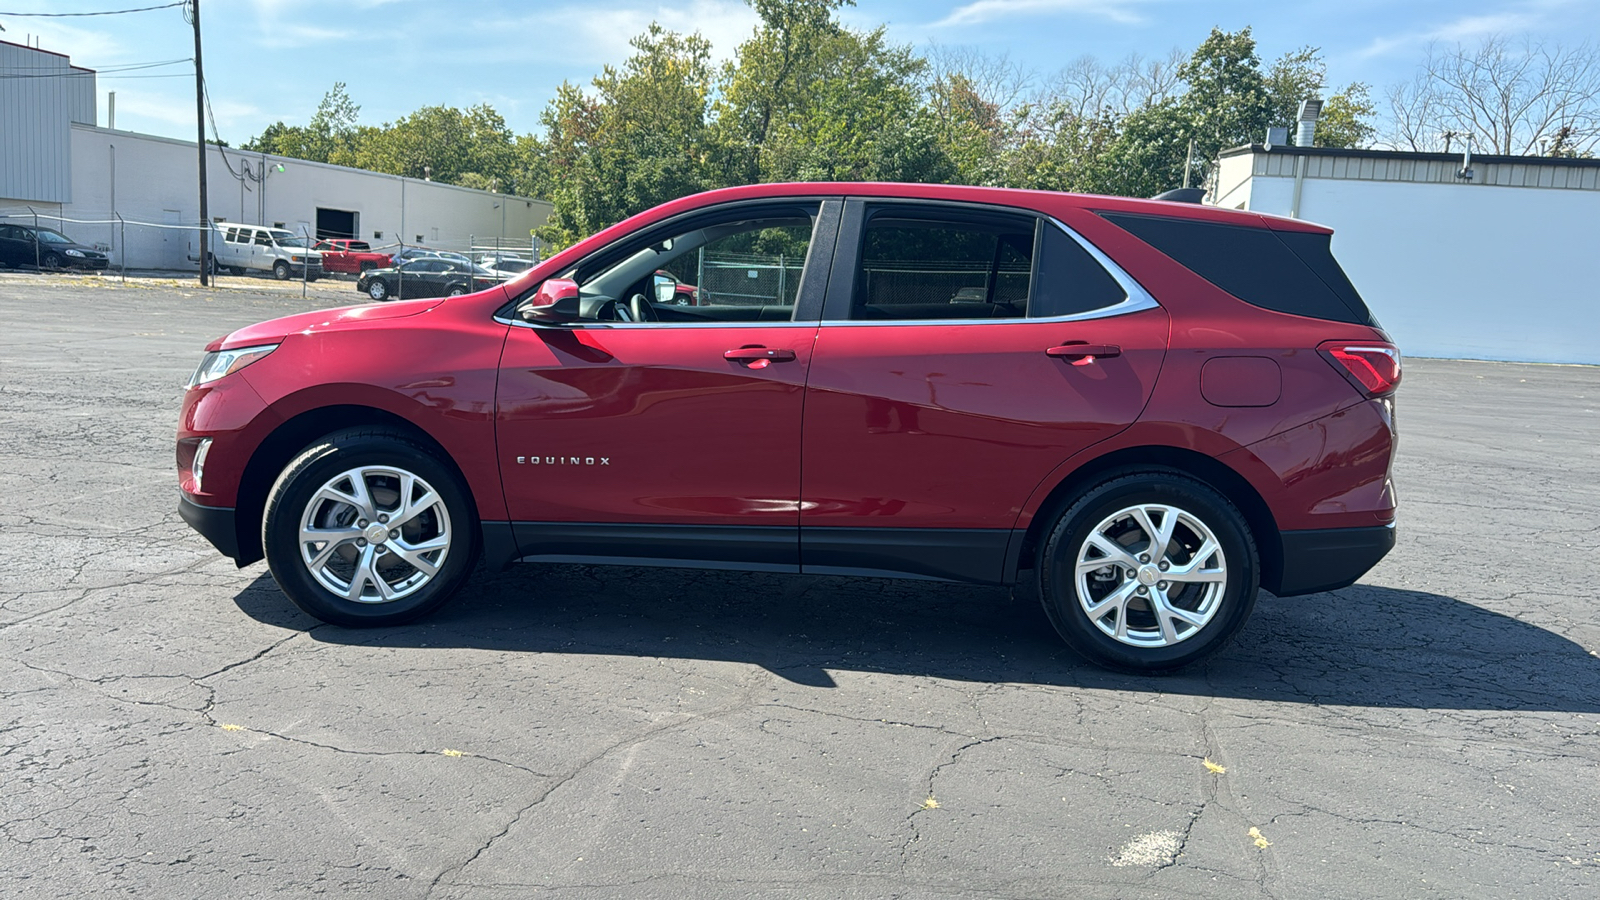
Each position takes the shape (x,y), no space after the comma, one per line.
(172,727)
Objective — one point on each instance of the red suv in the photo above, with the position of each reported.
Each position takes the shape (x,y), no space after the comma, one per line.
(1148,410)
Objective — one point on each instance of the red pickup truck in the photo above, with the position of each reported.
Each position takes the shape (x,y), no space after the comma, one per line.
(355,257)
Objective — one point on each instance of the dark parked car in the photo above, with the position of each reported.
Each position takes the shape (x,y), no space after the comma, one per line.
(428,276)
(32,245)
(1142,411)
(407,254)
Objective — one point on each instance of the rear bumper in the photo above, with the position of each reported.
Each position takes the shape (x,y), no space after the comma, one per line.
(215,524)
(1326,559)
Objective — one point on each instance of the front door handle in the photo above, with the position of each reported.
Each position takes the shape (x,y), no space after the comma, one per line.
(755,357)
(1082,354)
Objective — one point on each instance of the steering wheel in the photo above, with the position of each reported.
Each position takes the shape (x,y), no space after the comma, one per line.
(642,309)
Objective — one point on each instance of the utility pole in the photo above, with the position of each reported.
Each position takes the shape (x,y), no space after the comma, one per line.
(200,146)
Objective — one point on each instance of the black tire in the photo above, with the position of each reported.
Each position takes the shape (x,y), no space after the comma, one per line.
(455,290)
(297,490)
(378,289)
(1224,610)
(680,299)
(50,260)
(280,270)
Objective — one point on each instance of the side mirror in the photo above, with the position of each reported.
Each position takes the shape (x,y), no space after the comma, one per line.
(555,301)
(666,287)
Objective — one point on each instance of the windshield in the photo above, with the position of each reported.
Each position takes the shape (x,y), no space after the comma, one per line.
(287,239)
(52,237)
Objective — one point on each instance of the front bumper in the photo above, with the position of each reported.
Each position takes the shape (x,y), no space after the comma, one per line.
(1325,559)
(215,523)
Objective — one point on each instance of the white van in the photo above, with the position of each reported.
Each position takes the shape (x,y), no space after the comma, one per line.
(243,248)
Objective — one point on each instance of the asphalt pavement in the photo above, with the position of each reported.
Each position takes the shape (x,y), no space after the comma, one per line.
(170,726)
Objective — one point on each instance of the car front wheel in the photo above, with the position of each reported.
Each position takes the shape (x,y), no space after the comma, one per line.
(280,270)
(1149,572)
(368,528)
(50,261)
(377,289)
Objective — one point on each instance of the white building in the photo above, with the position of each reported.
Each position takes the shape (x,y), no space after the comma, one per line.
(138,195)
(1480,257)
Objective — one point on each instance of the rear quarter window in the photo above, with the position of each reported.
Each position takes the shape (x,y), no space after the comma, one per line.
(1292,272)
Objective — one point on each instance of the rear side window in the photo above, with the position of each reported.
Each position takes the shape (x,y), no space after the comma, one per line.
(1290,272)
(918,264)
(1070,280)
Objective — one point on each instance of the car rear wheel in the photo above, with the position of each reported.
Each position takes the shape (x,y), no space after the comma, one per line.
(1149,572)
(367,528)
(280,270)
(377,289)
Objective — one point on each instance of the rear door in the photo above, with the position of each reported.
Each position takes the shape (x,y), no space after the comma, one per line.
(945,385)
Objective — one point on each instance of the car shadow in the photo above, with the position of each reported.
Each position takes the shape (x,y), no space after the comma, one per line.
(1361,646)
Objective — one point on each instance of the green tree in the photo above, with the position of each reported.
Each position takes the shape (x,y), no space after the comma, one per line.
(1227,103)
(444,143)
(640,140)
(1347,118)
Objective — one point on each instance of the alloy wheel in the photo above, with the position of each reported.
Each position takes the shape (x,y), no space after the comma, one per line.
(1151,575)
(375,534)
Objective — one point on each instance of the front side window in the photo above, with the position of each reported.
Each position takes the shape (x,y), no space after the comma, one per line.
(731,265)
(262,240)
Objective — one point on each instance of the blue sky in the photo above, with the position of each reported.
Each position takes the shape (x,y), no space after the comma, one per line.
(273,59)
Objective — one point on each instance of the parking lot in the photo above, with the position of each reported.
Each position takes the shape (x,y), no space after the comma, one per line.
(173,727)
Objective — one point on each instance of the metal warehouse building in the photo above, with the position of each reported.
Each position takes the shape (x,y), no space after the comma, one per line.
(137,194)
(1459,255)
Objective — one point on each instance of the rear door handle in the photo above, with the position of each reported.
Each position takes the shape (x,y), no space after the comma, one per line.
(759,357)
(1083,353)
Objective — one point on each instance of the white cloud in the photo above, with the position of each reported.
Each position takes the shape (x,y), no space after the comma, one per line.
(87,46)
(1524,17)
(981,11)
(584,33)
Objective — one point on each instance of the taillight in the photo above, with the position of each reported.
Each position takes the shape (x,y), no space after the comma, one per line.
(1372,366)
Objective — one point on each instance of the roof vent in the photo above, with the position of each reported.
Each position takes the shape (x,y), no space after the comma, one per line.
(1310,111)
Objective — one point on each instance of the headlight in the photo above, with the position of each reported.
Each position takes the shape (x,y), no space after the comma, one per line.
(77,253)
(218,363)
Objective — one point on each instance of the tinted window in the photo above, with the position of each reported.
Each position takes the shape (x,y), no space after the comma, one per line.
(1316,251)
(356,245)
(1253,264)
(262,239)
(943,266)
(734,265)
(1070,280)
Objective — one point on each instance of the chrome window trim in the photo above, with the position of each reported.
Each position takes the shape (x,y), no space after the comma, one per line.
(1137,300)
(755,323)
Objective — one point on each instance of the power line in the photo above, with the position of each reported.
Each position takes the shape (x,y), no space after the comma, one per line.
(108,12)
(112,72)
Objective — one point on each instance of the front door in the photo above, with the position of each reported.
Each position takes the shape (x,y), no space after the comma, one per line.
(661,433)
(944,387)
